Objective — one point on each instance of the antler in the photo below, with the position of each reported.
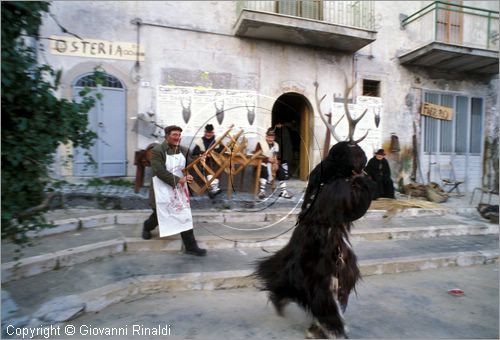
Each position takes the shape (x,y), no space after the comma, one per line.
(322,116)
(352,122)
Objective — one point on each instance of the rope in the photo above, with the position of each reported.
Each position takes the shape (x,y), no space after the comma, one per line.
(256,241)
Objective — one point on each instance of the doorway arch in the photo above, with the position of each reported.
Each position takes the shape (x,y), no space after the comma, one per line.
(108,120)
(293,111)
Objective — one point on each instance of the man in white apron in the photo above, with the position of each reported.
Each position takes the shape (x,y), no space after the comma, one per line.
(169,193)
(202,144)
(271,149)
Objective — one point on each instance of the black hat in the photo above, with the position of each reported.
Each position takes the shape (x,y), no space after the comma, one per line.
(270,132)
(380,152)
(171,128)
(209,128)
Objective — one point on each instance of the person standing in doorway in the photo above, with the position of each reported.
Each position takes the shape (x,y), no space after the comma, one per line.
(169,194)
(284,140)
(379,171)
(270,149)
(202,144)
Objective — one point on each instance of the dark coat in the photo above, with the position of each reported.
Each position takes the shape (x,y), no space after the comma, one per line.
(380,172)
(159,169)
(284,139)
(207,143)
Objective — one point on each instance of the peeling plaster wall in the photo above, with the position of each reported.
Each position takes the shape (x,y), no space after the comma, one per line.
(402,87)
(190,43)
(196,49)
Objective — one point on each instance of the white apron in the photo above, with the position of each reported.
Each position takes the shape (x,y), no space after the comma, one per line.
(172,204)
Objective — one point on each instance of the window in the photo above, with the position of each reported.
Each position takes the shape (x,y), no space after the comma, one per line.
(109,81)
(462,134)
(476,124)
(312,9)
(450,22)
(371,88)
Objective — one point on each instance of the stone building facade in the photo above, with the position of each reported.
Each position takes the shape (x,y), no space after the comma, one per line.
(254,64)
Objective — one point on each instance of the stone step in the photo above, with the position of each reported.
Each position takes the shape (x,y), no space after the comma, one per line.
(65,220)
(71,248)
(100,283)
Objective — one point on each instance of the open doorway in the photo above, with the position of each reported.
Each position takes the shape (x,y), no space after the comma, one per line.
(291,110)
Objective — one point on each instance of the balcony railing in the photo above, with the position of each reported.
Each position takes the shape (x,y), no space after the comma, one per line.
(358,14)
(455,25)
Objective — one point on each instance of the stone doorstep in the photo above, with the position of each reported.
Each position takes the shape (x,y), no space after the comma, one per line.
(227,216)
(34,265)
(102,297)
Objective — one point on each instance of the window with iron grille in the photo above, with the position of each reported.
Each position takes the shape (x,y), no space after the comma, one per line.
(462,134)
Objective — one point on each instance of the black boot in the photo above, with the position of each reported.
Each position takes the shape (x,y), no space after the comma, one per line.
(149,225)
(146,233)
(190,245)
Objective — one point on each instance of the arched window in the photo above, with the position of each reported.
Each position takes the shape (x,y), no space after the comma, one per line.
(109,81)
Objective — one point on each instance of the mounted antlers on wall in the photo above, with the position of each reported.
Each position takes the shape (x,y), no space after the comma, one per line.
(352,122)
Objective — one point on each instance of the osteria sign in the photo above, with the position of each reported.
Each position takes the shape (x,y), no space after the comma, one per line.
(93,48)
(437,111)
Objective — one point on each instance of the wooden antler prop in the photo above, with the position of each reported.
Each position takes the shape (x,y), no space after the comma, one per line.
(352,122)
(322,116)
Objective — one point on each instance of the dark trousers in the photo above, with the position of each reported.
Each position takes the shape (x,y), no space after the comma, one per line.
(187,236)
(152,221)
(281,174)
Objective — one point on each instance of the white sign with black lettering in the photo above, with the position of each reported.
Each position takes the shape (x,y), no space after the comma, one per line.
(93,48)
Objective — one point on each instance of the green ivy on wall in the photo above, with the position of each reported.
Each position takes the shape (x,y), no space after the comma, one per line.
(34,120)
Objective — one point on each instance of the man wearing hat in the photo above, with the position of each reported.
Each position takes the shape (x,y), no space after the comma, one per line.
(270,149)
(202,144)
(169,194)
(379,171)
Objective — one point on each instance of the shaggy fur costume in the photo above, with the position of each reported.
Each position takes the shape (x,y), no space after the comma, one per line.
(318,268)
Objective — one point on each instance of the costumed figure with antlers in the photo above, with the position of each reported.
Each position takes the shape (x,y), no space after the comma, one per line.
(317,269)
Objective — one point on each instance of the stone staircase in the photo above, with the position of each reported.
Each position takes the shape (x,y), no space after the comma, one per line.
(94,259)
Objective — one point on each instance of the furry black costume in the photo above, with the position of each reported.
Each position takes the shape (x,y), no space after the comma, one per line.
(318,268)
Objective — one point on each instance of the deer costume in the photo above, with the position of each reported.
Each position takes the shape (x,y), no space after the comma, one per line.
(317,269)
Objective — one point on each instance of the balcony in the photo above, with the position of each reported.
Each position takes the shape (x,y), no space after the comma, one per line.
(336,25)
(453,38)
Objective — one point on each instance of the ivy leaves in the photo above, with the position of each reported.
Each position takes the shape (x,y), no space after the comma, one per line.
(34,120)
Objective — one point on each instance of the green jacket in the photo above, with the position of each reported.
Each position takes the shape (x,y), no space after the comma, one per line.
(159,169)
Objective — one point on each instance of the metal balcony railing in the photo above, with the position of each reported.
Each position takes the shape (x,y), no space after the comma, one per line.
(454,24)
(358,14)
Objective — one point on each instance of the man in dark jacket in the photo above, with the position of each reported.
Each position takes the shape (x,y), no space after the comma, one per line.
(202,144)
(379,171)
(170,147)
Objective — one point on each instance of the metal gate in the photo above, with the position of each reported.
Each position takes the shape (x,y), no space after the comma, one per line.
(108,120)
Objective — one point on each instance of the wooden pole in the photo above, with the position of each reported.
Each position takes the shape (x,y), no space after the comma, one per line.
(326,146)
